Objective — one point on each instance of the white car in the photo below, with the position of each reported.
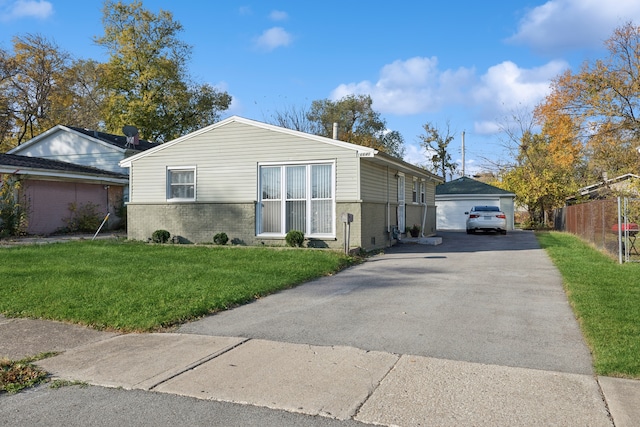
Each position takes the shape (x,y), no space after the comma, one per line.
(486,218)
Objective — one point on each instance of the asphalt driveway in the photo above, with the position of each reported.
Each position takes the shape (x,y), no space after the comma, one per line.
(482,298)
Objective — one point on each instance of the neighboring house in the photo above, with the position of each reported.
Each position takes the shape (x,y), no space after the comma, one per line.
(256,182)
(82,147)
(455,198)
(48,187)
(623,184)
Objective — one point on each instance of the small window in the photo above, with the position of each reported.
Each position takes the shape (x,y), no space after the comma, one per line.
(422,196)
(414,194)
(181,184)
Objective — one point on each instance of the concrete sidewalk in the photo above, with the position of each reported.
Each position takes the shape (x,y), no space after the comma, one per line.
(339,382)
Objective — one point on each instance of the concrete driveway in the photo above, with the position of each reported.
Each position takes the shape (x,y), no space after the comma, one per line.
(482,298)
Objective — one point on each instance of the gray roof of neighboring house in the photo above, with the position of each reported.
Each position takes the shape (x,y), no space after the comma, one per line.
(466,185)
(117,140)
(20,162)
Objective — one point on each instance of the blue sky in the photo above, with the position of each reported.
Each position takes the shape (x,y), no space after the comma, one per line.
(469,63)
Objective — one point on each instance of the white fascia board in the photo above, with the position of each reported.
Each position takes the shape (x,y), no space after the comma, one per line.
(405,167)
(362,151)
(56,128)
(452,197)
(37,138)
(62,175)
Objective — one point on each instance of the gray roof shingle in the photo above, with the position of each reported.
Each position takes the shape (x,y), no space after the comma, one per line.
(117,140)
(17,161)
(466,185)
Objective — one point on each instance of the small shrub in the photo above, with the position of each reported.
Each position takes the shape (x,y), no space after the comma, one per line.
(415,230)
(13,214)
(220,239)
(121,212)
(83,217)
(160,236)
(295,238)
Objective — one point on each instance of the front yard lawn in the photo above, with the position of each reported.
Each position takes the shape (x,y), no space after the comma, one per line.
(133,286)
(606,300)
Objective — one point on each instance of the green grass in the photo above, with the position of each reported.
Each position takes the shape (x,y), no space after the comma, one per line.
(606,300)
(132,286)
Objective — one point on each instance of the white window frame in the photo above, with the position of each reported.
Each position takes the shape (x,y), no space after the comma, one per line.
(170,170)
(308,193)
(415,191)
(423,197)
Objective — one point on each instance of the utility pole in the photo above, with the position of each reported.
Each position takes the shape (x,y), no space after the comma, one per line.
(462,153)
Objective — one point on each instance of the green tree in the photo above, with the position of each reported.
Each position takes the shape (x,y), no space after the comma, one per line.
(30,78)
(436,143)
(540,179)
(358,123)
(145,79)
(393,143)
(80,100)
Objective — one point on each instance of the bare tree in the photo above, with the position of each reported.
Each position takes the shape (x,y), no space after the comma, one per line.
(293,117)
(436,143)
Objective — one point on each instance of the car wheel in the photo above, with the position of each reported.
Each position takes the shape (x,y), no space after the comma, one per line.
(503,232)
(469,231)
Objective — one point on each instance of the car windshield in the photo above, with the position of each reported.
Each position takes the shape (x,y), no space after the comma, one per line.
(486,208)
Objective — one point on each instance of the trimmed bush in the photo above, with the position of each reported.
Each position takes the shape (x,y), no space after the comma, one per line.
(160,236)
(295,238)
(220,239)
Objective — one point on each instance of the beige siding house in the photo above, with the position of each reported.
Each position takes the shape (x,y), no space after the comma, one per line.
(256,182)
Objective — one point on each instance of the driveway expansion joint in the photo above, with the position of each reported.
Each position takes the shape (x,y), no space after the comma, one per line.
(199,362)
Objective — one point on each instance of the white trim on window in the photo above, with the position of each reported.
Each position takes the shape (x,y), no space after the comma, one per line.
(181,183)
(296,195)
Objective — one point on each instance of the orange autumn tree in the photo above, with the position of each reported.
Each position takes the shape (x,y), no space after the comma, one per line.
(540,179)
(600,105)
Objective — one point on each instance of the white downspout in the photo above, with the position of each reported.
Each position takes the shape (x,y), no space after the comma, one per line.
(424,215)
(389,231)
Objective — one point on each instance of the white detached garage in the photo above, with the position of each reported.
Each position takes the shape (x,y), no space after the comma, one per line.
(456,197)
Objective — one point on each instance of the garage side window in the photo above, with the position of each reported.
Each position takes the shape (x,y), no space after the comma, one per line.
(181,184)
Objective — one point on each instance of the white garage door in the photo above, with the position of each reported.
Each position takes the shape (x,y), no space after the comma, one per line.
(451,213)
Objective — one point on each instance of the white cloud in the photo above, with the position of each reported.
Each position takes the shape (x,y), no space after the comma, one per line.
(414,153)
(411,87)
(417,86)
(486,127)
(506,88)
(40,9)
(561,25)
(273,38)
(278,15)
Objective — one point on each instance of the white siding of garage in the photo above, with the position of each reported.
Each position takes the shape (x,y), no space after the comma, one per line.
(451,209)
(451,213)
